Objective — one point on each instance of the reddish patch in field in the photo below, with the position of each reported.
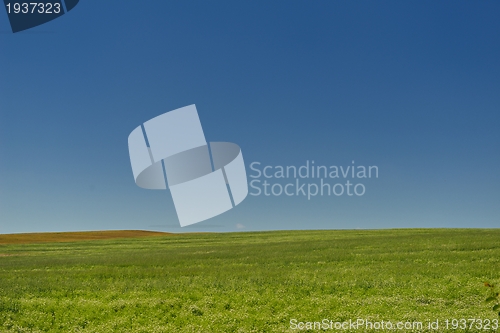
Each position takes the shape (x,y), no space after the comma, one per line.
(51,237)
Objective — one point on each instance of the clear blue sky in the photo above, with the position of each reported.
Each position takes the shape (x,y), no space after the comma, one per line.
(410,86)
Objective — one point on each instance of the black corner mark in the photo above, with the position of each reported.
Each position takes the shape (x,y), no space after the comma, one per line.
(70,4)
(26,14)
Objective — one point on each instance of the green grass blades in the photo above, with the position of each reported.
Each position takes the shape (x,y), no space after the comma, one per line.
(250,282)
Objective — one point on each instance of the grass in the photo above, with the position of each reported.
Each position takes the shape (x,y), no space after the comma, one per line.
(247,282)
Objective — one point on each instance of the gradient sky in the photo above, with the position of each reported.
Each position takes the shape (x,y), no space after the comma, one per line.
(410,86)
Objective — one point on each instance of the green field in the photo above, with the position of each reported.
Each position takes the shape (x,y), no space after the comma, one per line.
(248,282)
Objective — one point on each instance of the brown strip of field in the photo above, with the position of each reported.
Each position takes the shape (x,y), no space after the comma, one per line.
(50,237)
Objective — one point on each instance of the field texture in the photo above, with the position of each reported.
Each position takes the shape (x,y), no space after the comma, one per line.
(48,237)
(248,282)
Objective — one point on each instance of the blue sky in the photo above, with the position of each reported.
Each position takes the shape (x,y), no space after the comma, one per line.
(412,87)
